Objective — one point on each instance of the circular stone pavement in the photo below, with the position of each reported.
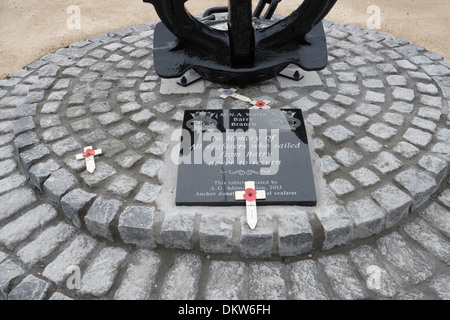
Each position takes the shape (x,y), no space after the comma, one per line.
(378,129)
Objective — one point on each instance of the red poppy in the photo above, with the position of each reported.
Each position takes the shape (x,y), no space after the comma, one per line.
(88,153)
(250,194)
(260,104)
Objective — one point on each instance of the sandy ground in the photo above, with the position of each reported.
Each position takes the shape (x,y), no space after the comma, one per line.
(30,29)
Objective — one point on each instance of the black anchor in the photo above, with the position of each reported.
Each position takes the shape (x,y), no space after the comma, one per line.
(243,49)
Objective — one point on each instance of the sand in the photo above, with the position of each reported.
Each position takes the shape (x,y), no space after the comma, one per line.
(30,29)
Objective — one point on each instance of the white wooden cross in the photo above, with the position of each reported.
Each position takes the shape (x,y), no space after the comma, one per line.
(225,93)
(88,155)
(250,195)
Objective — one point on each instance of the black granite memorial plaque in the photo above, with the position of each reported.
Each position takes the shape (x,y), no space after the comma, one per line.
(222,149)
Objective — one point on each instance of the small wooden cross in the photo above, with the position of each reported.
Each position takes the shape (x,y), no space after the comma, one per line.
(250,195)
(88,155)
(225,93)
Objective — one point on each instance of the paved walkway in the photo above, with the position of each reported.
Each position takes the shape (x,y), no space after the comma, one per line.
(380,134)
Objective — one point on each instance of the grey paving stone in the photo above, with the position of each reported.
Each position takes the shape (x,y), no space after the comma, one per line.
(121,130)
(357,120)
(100,215)
(431,240)
(368,218)
(295,234)
(407,262)
(93,136)
(404,94)
(49,121)
(139,140)
(435,165)
(75,204)
(365,177)
(148,192)
(177,230)
(315,120)
(9,271)
(444,198)
(394,118)
(406,149)
(436,70)
(28,109)
(6,138)
(347,157)
(431,101)
(306,282)
(369,264)
(41,171)
(256,243)
(386,162)
(382,131)
(128,159)
(140,277)
(430,113)
(368,144)
(100,275)
(442,149)
(266,281)
(74,255)
(45,243)
(337,226)
(158,148)
(185,273)
(216,234)
(395,202)
(21,228)
(338,134)
(63,146)
(418,137)
(328,165)
(6,126)
(225,281)
(419,184)
(375,97)
(15,200)
(111,147)
(54,133)
(437,216)
(11,182)
(396,80)
(151,167)
(304,104)
(30,288)
(342,187)
(122,185)
(58,184)
(31,156)
(7,166)
(441,285)
(74,112)
(343,278)
(402,107)
(102,172)
(136,226)
(332,110)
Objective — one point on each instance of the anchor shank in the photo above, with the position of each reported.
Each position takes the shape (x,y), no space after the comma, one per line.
(241,34)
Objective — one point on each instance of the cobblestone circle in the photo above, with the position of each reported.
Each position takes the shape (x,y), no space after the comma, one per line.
(379,132)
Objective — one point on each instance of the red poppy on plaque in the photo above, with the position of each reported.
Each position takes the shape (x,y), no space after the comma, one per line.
(250,194)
